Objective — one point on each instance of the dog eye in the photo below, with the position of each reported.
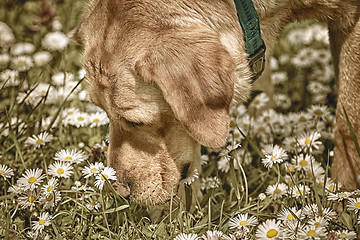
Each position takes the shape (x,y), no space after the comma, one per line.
(134,124)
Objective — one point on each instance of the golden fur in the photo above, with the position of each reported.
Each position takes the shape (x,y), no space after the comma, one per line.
(167,71)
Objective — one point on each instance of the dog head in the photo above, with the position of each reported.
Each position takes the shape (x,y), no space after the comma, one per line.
(166,79)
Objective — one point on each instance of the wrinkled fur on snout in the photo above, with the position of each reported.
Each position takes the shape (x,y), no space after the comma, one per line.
(166,73)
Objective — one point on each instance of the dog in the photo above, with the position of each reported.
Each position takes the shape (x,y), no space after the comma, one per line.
(167,71)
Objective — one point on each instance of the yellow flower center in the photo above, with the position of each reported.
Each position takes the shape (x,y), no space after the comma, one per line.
(293,144)
(291,169)
(92,203)
(311,233)
(50,188)
(290,217)
(93,169)
(80,119)
(50,197)
(310,175)
(318,112)
(232,123)
(32,198)
(302,119)
(332,187)
(242,223)
(342,235)
(68,158)
(307,141)
(105,148)
(41,222)
(267,118)
(39,141)
(256,101)
(1,171)
(32,180)
(303,163)
(272,233)
(357,204)
(104,176)
(317,224)
(21,62)
(96,120)
(261,129)
(43,92)
(299,192)
(60,171)
(278,191)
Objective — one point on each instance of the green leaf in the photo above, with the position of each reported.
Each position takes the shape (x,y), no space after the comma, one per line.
(346,220)
(120,208)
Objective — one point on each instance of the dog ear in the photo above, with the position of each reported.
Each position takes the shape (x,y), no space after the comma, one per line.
(196,75)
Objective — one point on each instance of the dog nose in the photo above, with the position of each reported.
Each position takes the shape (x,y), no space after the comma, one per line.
(184,171)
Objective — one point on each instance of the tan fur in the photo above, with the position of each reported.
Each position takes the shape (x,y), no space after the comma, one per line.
(166,72)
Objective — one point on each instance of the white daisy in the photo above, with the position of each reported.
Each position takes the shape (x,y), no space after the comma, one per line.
(70,156)
(43,221)
(242,221)
(340,196)
(106,173)
(277,190)
(31,178)
(290,214)
(260,101)
(7,37)
(290,144)
(273,154)
(60,169)
(204,160)
(282,101)
(22,63)
(39,140)
(60,78)
(304,58)
(93,169)
(300,191)
(209,183)
(279,78)
(270,229)
(5,171)
(345,234)
(42,58)
(92,205)
(312,232)
(315,171)
(184,236)
(310,141)
(28,199)
(78,119)
(98,119)
(9,78)
(318,222)
(55,41)
(50,187)
(311,210)
(22,48)
(353,204)
(302,162)
(4,59)
(319,111)
(51,200)
(192,177)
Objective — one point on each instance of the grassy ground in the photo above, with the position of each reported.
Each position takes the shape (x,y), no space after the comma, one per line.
(270,182)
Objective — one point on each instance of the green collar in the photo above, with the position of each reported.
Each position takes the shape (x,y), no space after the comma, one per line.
(255,46)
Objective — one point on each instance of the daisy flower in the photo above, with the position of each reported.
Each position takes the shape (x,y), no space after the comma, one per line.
(50,200)
(319,111)
(28,199)
(9,78)
(31,178)
(289,214)
(106,173)
(242,221)
(191,178)
(60,169)
(39,140)
(282,101)
(22,63)
(312,232)
(353,204)
(311,210)
(298,191)
(22,48)
(92,205)
(77,119)
(316,170)
(43,221)
(60,78)
(340,196)
(204,160)
(270,229)
(279,78)
(273,154)
(277,190)
(42,58)
(212,235)
(210,183)
(318,222)
(302,161)
(309,141)
(260,101)
(55,41)
(98,119)
(304,58)
(4,59)
(290,144)
(70,156)
(50,187)
(93,169)
(5,171)
(184,236)
(345,234)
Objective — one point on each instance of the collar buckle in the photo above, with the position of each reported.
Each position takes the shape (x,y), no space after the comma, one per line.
(257,63)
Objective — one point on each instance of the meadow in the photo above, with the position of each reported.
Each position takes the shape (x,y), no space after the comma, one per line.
(271,180)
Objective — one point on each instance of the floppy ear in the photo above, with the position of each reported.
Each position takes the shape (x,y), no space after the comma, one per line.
(196,75)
